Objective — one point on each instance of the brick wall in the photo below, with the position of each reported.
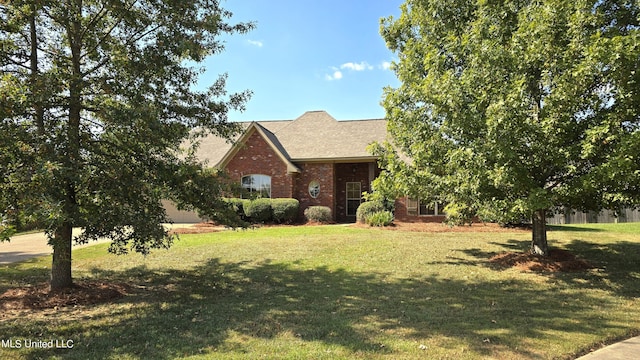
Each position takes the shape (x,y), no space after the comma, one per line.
(257,157)
(324,174)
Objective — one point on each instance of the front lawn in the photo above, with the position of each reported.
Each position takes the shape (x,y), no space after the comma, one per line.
(327,292)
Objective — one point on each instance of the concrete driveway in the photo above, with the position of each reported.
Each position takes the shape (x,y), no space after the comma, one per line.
(23,247)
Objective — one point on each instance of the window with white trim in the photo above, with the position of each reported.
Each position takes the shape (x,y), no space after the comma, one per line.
(416,207)
(256,186)
(354,196)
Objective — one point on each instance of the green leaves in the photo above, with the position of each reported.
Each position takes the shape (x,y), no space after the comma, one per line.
(96,100)
(509,107)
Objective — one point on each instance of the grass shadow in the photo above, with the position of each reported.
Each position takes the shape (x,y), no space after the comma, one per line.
(22,274)
(573,228)
(219,306)
(616,264)
(482,256)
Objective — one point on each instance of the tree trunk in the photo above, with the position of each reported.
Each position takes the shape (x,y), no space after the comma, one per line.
(539,244)
(36,88)
(61,264)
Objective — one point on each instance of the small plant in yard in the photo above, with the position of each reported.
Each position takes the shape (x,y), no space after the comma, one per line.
(321,214)
(380,218)
(366,209)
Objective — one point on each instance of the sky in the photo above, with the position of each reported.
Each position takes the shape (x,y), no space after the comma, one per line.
(307,55)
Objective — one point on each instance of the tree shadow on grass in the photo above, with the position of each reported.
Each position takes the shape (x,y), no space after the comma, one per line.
(20,274)
(616,264)
(573,228)
(219,306)
(481,257)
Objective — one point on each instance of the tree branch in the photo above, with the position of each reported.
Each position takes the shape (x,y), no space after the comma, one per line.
(99,15)
(104,37)
(96,67)
(16,63)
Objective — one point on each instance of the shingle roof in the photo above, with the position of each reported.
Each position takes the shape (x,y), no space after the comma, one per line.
(314,136)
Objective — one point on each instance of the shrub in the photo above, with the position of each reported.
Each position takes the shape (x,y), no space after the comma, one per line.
(380,218)
(366,209)
(318,213)
(258,210)
(285,210)
(238,206)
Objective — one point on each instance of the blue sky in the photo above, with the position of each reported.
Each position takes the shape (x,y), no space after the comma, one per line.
(307,55)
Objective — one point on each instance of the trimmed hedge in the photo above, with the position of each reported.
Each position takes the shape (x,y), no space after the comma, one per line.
(380,218)
(285,210)
(320,214)
(366,209)
(259,210)
(266,210)
(238,206)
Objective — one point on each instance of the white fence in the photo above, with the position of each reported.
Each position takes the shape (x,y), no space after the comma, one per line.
(604,216)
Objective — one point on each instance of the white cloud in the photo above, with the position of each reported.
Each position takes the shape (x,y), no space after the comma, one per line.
(337,75)
(257,43)
(361,66)
(353,66)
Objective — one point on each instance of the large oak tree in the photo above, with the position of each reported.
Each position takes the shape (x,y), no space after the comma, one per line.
(510,109)
(96,98)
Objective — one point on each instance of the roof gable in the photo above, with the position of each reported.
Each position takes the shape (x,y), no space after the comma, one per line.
(316,135)
(268,137)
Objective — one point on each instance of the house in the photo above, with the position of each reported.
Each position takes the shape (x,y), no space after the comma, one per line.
(314,158)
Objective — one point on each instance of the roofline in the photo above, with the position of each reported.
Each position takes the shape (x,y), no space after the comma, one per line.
(362,159)
(254,126)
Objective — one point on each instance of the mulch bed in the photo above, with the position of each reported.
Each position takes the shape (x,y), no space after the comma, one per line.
(557,261)
(438,227)
(200,228)
(81,293)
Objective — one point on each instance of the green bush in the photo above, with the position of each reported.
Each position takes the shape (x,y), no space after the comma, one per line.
(380,218)
(366,209)
(318,213)
(285,210)
(238,206)
(258,210)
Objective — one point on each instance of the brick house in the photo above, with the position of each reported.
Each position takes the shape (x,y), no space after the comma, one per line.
(314,158)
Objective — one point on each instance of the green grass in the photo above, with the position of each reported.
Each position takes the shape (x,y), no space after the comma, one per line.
(330,292)
(624,228)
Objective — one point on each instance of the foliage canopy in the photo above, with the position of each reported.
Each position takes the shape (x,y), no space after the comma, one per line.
(96,98)
(509,109)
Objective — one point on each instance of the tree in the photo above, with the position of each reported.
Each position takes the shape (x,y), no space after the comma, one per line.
(510,109)
(96,104)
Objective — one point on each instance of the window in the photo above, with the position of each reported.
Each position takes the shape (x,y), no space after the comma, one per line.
(425,208)
(256,186)
(354,194)
(314,189)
